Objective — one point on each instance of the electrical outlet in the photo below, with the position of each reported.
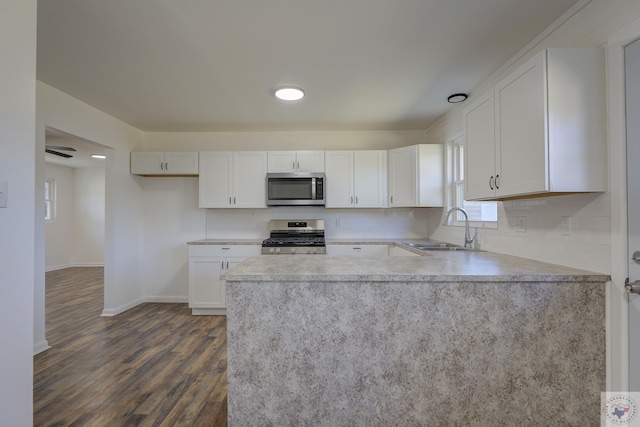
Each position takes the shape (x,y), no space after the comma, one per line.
(565,226)
(521,224)
(4,193)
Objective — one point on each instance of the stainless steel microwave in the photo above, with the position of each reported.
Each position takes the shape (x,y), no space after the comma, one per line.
(295,189)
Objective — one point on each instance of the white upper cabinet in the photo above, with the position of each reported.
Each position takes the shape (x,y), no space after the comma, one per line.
(164,163)
(356,179)
(295,161)
(549,129)
(480,158)
(416,176)
(233,179)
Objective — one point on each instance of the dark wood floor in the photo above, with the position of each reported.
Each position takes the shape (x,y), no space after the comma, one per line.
(153,365)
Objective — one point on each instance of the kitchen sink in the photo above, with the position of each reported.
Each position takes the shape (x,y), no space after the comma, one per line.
(438,246)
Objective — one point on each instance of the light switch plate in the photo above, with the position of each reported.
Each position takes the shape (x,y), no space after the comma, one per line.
(4,193)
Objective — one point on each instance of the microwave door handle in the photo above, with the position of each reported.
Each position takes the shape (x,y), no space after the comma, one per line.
(313,188)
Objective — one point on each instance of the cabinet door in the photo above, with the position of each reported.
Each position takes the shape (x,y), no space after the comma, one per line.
(339,174)
(479,145)
(370,178)
(147,162)
(250,172)
(215,182)
(310,161)
(281,161)
(402,177)
(521,131)
(181,162)
(206,290)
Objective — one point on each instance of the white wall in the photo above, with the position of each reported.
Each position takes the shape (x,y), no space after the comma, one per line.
(75,237)
(17,250)
(123,244)
(172,218)
(294,140)
(589,244)
(59,231)
(88,217)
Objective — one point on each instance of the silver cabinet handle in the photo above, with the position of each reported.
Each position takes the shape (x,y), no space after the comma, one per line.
(497,182)
(356,200)
(234,200)
(161,166)
(227,265)
(636,256)
(491,182)
(351,200)
(298,165)
(166,166)
(391,199)
(230,201)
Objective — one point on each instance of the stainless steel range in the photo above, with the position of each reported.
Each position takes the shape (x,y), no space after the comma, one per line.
(295,237)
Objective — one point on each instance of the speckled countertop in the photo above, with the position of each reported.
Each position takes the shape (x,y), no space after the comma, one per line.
(434,266)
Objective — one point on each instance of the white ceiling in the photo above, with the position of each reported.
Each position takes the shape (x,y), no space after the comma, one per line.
(81,157)
(206,65)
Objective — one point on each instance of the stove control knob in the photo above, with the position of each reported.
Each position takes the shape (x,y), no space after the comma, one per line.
(277,250)
(293,250)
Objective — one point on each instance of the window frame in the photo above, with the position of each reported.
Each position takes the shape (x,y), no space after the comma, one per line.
(455,194)
(50,200)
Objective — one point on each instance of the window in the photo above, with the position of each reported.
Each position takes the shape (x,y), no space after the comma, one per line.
(481,214)
(49,199)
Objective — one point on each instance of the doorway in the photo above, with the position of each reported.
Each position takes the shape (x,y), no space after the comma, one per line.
(74,191)
(632,90)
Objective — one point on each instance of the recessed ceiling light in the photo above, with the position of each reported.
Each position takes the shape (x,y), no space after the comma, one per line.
(457,97)
(289,93)
(98,156)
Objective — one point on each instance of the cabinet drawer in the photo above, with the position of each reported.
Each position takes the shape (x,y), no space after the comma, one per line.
(224,250)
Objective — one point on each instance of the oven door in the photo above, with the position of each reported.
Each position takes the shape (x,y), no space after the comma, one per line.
(295,189)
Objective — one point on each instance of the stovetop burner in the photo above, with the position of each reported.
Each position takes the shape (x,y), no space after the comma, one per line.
(295,237)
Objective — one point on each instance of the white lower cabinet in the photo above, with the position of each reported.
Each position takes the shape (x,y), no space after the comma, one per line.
(358,250)
(207,291)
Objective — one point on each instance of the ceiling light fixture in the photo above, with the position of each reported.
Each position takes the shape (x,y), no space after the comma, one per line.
(289,93)
(456,97)
(98,156)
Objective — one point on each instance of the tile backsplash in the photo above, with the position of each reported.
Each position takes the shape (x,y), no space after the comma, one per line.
(339,223)
(572,230)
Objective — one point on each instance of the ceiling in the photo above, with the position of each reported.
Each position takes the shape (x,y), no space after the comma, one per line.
(210,65)
(82,154)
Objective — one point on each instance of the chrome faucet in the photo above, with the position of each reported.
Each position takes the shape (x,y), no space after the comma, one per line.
(468,240)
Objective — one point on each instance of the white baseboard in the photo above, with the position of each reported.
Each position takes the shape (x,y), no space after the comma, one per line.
(167,299)
(40,347)
(60,267)
(109,312)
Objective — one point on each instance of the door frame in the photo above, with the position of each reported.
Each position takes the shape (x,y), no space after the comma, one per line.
(617,298)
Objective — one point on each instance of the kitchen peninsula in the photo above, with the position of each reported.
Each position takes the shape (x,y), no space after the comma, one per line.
(451,337)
